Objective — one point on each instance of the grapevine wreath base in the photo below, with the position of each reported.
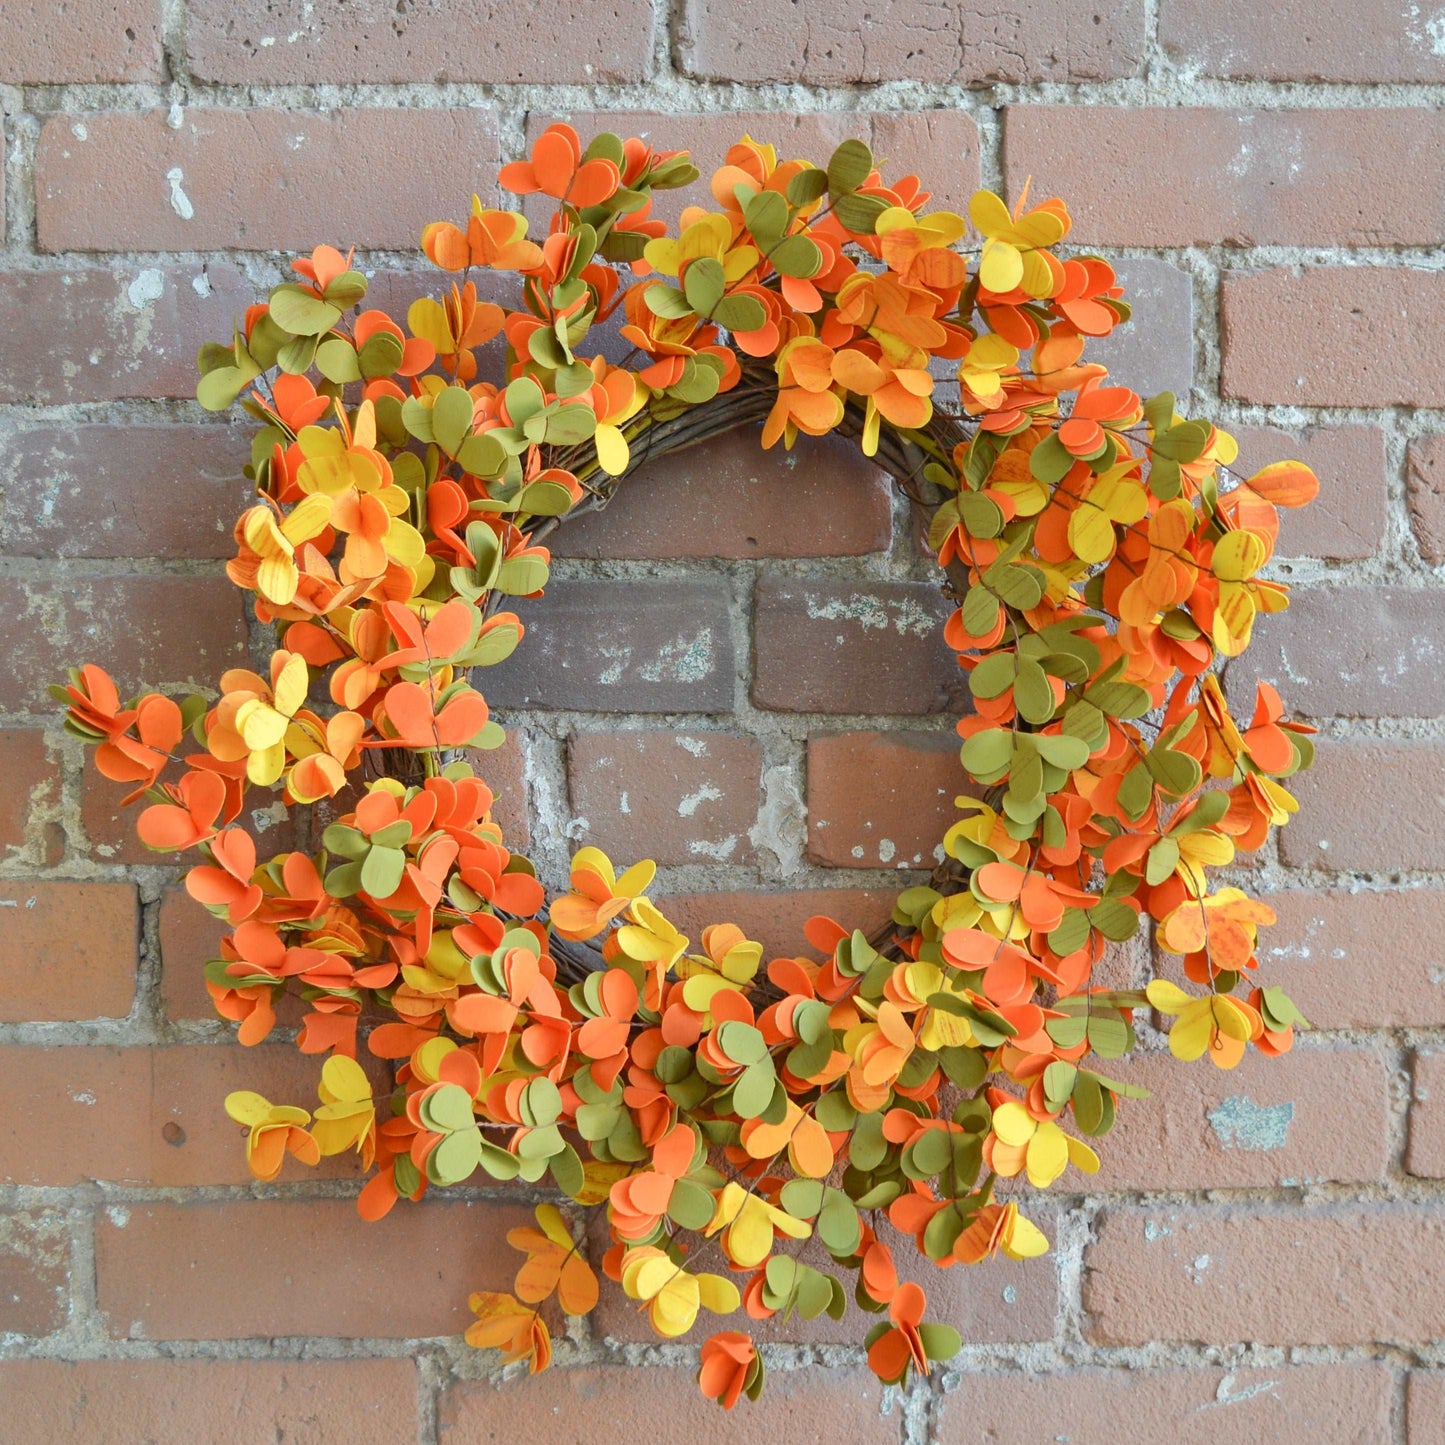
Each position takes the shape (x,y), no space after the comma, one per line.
(755,1133)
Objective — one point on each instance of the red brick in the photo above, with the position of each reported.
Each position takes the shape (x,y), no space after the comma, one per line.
(796,1408)
(229,1271)
(1257,178)
(1425,1405)
(1309,40)
(1425,483)
(881,799)
(100,335)
(29,780)
(941,146)
(1155,352)
(1325,953)
(847,43)
(254,179)
(1347,519)
(161,633)
(67,950)
(1318,1115)
(1203,1405)
(86,41)
(672,797)
(1353,652)
(589,42)
(303,1402)
(776,919)
(1426,1153)
(732,499)
(34,1273)
(1267,1274)
(182,489)
(873,647)
(1001,1302)
(190,938)
(1369,806)
(504,771)
(1334,336)
(648,647)
(142,1115)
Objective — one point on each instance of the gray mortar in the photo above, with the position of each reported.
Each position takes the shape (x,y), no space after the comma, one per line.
(1398,561)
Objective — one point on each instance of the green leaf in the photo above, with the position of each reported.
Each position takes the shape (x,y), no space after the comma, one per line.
(797,256)
(451,418)
(807,186)
(848,167)
(703,284)
(337,361)
(859,214)
(299,313)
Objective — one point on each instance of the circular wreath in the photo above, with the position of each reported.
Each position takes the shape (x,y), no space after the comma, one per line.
(723,1112)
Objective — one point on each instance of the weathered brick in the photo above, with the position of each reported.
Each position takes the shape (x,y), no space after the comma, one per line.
(92,40)
(29,778)
(776,919)
(1425,1155)
(1353,652)
(964,44)
(824,646)
(645,647)
(941,146)
(1268,1274)
(145,1115)
(504,770)
(1325,952)
(1347,519)
(997,1303)
(1333,336)
(253,179)
(796,1408)
(1319,1115)
(67,950)
(34,1273)
(731,498)
(189,938)
(147,632)
(303,1402)
(1155,351)
(1425,1405)
(1199,1406)
(1425,483)
(672,797)
(589,42)
(1313,177)
(229,1271)
(100,335)
(1398,823)
(881,799)
(104,490)
(1309,40)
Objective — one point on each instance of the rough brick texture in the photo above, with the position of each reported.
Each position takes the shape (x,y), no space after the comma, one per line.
(252,179)
(1334,336)
(833,44)
(367,1402)
(672,797)
(1270,1274)
(881,798)
(1285,178)
(853,647)
(1355,652)
(739,672)
(731,499)
(250,41)
(1426,476)
(1312,40)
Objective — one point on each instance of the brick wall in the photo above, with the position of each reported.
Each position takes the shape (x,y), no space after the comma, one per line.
(745,676)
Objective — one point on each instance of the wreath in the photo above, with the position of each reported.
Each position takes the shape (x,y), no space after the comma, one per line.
(752,1131)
